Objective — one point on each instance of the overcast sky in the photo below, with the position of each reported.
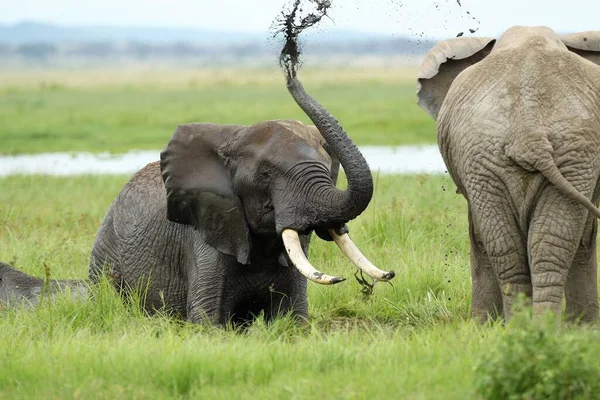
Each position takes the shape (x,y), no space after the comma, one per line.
(431,18)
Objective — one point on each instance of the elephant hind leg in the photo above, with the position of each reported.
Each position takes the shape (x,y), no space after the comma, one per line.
(581,289)
(505,247)
(486,298)
(555,234)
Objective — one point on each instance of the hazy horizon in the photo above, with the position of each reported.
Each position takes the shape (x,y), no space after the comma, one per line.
(417,18)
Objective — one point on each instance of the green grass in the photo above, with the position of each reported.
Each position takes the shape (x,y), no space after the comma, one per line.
(113,111)
(413,340)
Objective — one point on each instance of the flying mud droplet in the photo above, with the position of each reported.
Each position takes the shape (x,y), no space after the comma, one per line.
(472,30)
(291,24)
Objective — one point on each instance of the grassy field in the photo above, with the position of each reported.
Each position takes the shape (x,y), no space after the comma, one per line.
(115,111)
(413,340)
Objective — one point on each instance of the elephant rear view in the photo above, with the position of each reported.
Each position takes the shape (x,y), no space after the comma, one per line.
(518,126)
(219,228)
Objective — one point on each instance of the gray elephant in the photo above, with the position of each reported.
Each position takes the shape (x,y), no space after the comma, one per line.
(518,126)
(17,287)
(214,230)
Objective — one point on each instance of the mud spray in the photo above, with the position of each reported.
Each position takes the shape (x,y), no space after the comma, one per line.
(299,15)
(472,30)
(292,21)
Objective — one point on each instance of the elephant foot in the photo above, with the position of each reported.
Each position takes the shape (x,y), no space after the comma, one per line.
(582,313)
(541,308)
(483,316)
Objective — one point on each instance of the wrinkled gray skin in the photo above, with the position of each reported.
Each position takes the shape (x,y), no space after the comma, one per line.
(518,125)
(17,287)
(202,228)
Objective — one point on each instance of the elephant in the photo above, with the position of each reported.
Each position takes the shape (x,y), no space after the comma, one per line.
(218,230)
(17,287)
(518,127)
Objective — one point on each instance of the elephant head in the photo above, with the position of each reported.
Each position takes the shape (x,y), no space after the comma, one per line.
(448,58)
(268,183)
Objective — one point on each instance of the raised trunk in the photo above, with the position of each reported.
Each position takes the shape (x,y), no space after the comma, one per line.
(335,204)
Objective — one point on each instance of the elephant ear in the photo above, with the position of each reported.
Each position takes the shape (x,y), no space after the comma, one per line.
(442,64)
(199,188)
(586,44)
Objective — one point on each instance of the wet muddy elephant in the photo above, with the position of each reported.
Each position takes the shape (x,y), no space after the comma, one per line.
(518,126)
(216,227)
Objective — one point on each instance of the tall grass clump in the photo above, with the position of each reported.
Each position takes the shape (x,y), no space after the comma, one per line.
(540,358)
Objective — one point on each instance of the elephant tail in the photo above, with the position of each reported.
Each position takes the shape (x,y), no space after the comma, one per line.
(550,171)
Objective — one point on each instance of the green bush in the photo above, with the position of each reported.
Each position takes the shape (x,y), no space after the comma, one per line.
(540,359)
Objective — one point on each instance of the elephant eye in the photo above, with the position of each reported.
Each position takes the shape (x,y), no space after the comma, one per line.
(264,172)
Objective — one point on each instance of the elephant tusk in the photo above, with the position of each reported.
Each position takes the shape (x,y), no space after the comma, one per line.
(354,254)
(291,241)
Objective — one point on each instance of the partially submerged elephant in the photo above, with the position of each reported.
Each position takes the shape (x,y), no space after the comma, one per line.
(219,228)
(17,287)
(518,125)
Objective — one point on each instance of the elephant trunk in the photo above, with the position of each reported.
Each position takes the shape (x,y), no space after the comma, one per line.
(334,204)
(326,204)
